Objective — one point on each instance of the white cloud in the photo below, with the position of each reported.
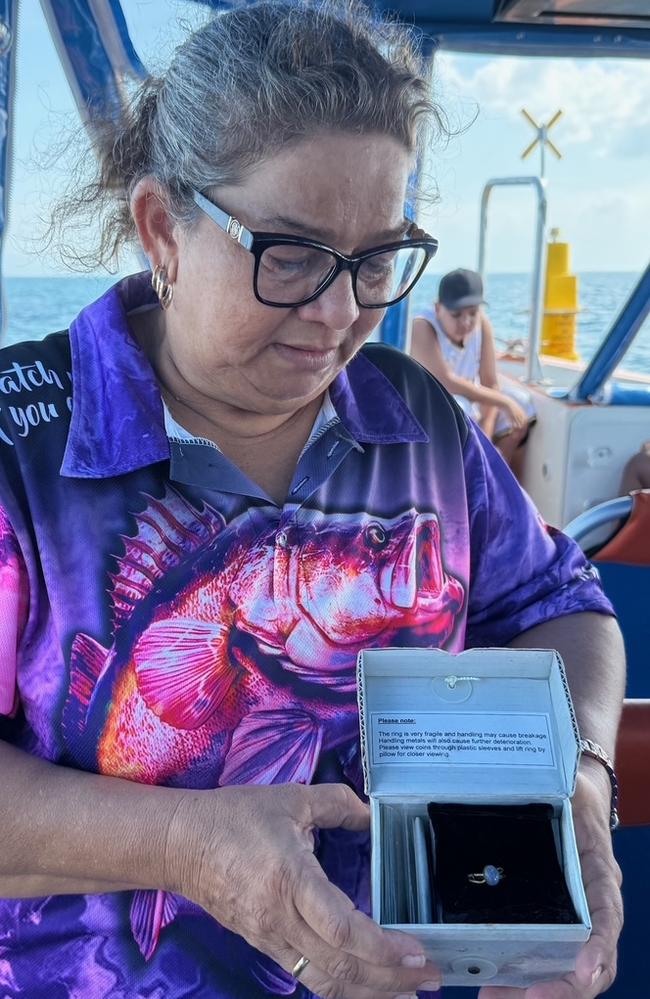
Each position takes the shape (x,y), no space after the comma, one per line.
(605,227)
(605,103)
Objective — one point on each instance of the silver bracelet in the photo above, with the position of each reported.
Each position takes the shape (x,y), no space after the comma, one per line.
(589,748)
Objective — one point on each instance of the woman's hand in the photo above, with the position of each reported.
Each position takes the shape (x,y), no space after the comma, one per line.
(596,963)
(245,854)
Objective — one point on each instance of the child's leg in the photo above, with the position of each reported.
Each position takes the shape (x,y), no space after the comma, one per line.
(507,444)
(506,437)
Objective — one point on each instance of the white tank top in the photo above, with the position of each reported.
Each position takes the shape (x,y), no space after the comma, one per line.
(464,361)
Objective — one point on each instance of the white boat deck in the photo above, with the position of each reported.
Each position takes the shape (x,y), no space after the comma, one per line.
(576,452)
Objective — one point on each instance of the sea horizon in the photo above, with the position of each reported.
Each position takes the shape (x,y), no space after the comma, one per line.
(106,275)
(36,306)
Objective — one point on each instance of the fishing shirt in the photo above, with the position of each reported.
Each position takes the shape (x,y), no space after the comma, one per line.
(163,620)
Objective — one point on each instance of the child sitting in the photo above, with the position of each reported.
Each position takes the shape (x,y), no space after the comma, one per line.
(455,342)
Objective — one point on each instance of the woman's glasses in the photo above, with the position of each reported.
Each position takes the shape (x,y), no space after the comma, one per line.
(291,271)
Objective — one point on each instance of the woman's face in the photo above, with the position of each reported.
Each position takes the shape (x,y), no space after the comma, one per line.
(458,323)
(347,191)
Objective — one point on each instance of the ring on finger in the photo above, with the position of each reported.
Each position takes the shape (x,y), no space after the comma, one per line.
(299,966)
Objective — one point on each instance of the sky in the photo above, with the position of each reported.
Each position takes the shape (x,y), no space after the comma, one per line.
(598,193)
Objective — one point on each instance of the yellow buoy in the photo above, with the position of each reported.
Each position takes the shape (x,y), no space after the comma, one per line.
(560,302)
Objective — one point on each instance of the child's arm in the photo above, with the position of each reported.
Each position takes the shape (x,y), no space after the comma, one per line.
(488,374)
(488,362)
(426,349)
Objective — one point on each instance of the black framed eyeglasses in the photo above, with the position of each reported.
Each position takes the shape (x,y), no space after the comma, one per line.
(292,271)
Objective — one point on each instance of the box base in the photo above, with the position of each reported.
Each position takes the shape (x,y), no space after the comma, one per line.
(512,954)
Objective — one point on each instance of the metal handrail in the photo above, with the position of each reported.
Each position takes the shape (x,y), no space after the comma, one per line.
(597,516)
(533,365)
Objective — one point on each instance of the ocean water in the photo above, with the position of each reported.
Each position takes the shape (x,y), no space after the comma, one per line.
(38,306)
(601,297)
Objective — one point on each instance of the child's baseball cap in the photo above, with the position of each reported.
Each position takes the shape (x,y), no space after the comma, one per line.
(460,289)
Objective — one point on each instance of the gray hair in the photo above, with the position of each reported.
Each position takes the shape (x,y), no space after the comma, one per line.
(242,87)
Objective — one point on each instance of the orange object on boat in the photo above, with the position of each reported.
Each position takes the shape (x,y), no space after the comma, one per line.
(631,545)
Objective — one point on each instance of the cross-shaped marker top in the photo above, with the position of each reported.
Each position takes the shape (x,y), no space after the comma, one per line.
(541,137)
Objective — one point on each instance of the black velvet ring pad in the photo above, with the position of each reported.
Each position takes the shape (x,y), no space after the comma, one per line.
(517,839)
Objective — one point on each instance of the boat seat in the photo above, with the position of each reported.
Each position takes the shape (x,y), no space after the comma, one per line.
(631,544)
(623,561)
(624,565)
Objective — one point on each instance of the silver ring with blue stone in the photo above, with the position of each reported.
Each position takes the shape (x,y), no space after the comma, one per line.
(490,875)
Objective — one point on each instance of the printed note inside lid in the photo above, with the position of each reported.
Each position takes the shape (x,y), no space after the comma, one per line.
(497,738)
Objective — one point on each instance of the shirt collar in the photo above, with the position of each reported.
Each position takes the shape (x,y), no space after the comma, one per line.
(371,408)
(117,423)
(117,420)
(326,415)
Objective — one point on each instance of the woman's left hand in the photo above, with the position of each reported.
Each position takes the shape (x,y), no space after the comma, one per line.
(596,963)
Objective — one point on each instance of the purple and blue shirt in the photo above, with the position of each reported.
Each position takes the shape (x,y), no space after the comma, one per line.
(163,620)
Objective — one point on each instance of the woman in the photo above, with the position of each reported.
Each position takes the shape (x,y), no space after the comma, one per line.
(215,500)
(455,342)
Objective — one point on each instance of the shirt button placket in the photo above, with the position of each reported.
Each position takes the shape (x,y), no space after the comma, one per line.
(281,539)
(281,565)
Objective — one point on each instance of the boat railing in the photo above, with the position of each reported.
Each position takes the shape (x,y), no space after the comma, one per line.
(590,520)
(534,371)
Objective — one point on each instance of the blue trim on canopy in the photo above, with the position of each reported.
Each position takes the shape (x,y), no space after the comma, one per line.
(394,325)
(96,53)
(123,32)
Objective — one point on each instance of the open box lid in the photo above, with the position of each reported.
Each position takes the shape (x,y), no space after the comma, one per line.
(485,722)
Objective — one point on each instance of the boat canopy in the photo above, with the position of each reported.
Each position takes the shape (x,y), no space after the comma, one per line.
(526,27)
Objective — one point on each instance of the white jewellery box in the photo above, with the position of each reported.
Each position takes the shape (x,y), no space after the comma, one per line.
(445,734)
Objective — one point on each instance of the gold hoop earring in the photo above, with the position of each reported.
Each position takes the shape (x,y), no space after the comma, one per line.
(163,288)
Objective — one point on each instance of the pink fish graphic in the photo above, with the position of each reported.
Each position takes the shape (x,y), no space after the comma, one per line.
(234,646)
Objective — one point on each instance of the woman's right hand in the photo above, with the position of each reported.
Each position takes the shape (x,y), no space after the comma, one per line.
(245,854)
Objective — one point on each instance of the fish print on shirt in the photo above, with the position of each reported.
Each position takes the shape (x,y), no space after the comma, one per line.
(234,646)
